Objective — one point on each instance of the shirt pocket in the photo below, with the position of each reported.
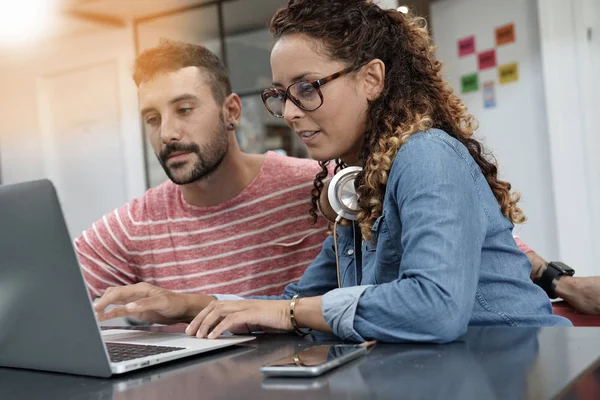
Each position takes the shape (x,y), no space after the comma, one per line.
(386,258)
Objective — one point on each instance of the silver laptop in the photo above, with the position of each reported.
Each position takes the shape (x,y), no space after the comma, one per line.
(46,317)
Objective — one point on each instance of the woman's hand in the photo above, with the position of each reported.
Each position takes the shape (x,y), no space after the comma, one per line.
(241,316)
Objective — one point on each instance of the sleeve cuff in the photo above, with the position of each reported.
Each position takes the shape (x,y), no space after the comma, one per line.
(339,308)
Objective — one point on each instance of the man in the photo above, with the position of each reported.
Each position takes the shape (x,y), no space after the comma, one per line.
(225,222)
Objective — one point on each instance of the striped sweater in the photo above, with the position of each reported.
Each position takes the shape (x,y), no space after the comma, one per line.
(253,244)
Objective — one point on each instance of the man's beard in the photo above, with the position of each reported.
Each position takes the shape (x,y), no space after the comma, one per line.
(209,158)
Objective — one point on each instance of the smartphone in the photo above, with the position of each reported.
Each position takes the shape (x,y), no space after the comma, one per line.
(314,361)
(308,383)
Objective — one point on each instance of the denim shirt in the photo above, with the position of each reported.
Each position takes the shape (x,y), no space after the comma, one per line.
(443,257)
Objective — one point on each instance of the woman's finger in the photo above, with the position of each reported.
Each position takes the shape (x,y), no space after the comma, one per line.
(192,328)
(226,323)
(218,312)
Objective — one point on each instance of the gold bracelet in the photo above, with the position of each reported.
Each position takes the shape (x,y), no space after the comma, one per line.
(297,361)
(293,318)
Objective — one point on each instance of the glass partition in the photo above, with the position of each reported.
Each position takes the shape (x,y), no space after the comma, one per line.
(237,31)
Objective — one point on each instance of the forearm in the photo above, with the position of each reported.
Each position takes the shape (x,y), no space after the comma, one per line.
(583,294)
(424,311)
(564,286)
(308,314)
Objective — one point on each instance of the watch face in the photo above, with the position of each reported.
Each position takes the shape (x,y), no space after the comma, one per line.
(564,268)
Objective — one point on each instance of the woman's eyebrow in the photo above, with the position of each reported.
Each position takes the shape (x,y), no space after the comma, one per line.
(295,79)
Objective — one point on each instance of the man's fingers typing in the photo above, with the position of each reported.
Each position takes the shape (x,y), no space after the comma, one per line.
(117,312)
(159,303)
(122,295)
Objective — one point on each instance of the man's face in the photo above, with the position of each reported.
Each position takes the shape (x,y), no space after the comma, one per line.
(184,124)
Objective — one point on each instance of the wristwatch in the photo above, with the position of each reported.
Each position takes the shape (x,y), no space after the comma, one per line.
(554,271)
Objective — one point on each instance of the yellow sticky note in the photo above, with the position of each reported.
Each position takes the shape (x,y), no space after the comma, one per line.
(508,73)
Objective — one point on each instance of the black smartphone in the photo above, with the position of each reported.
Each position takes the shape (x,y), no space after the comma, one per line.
(314,361)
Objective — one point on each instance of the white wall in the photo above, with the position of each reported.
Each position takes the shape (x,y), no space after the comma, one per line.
(516,130)
(65,140)
(571,61)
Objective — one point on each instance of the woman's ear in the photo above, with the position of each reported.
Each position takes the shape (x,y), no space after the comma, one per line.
(373,78)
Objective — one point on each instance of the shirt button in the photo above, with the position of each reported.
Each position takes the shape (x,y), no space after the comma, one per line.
(350,252)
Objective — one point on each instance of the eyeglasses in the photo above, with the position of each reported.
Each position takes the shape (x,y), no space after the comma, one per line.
(306,95)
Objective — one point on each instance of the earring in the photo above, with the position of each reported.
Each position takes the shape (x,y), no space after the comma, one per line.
(230,126)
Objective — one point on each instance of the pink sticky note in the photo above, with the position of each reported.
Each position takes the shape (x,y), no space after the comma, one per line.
(466,46)
(487,59)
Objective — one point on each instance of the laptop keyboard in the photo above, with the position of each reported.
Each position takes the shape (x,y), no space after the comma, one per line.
(118,352)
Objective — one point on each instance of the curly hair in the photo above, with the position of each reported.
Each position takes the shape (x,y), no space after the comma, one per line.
(318,185)
(415,97)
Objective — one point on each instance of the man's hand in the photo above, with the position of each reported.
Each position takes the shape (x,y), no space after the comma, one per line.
(149,303)
(581,293)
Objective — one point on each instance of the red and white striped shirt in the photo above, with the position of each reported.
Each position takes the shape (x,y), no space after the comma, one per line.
(253,244)
(522,245)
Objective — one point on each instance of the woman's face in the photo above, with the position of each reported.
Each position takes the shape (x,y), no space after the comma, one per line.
(335,129)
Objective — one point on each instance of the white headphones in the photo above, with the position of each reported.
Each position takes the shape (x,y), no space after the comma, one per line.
(338,197)
(339,200)
(341,193)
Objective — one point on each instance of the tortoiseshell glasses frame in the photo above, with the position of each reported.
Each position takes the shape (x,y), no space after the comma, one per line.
(306,95)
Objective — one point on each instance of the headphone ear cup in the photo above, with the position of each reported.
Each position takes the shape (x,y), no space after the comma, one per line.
(341,193)
(323,204)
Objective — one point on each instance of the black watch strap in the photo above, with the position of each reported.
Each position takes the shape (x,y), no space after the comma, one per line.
(554,271)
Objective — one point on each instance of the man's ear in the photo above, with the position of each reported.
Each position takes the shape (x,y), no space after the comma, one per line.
(232,109)
(373,78)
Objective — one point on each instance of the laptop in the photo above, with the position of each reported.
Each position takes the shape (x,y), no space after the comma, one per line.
(46,317)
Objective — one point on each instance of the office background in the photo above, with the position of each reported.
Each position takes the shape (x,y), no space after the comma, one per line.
(69,106)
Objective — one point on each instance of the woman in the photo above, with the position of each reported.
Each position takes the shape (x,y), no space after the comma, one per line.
(361,85)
